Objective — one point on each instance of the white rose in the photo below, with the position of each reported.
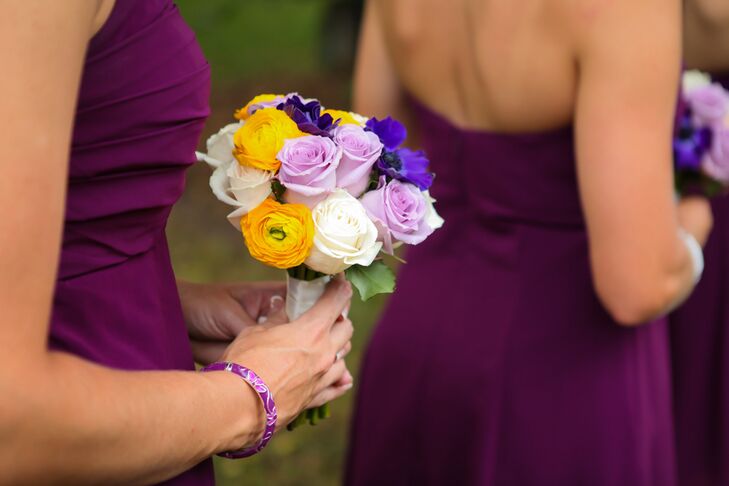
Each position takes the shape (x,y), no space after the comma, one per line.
(432,218)
(695,79)
(248,186)
(344,235)
(220,146)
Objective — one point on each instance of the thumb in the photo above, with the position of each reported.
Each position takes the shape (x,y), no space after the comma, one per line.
(331,305)
(276,312)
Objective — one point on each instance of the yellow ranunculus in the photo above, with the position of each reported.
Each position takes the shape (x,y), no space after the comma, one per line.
(280,235)
(262,99)
(345,116)
(259,140)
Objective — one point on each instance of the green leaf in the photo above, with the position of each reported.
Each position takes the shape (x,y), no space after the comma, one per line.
(372,280)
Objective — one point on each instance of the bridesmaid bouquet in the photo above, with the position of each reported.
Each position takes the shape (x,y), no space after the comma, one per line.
(318,192)
(701,136)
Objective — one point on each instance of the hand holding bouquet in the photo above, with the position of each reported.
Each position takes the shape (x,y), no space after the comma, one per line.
(319,192)
(701,138)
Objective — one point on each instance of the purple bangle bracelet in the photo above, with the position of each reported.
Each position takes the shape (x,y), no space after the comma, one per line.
(264,393)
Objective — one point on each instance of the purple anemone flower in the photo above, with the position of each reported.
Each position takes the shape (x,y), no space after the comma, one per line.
(690,143)
(407,166)
(391,132)
(308,116)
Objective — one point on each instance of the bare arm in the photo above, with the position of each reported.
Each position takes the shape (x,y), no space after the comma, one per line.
(628,56)
(73,409)
(62,419)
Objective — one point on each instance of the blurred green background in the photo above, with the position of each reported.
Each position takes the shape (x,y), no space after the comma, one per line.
(257,46)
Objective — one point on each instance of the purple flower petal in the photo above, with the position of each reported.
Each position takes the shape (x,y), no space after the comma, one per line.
(308,116)
(391,132)
(408,166)
(690,143)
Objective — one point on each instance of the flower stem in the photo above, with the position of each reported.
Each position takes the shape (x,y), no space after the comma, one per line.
(298,421)
(324,411)
(313,416)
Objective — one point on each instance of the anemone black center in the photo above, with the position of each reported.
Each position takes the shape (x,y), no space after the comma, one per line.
(685,133)
(392,160)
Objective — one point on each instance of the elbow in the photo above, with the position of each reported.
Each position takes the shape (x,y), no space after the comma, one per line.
(634,301)
(631,313)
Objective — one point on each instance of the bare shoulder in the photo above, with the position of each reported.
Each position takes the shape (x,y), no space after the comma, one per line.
(586,20)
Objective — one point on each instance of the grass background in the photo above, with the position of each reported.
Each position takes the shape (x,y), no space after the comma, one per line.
(256,46)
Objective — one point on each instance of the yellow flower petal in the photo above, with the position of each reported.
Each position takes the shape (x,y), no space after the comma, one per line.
(262,136)
(280,235)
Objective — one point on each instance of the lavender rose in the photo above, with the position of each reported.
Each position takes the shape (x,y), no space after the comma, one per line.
(716,162)
(709,104)
(400,213)
(308,168)
(360,151)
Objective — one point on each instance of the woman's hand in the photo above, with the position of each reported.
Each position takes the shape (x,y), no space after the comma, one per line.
(299,360)
(695,216)
(216,313)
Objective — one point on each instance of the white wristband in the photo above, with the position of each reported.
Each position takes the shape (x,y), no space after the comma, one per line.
(697,254)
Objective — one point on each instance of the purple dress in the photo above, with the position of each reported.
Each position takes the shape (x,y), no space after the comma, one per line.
(495,363)
(700,348)
(142,104)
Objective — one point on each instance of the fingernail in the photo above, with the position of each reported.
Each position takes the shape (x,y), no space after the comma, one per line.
(276,303)
(348,387)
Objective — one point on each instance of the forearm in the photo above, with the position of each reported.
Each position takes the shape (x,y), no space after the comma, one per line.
(676,271)
(642,280)
(684,274)
(73,422)
(651,270)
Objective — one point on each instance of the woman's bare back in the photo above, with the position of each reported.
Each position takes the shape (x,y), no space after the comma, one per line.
(485,64)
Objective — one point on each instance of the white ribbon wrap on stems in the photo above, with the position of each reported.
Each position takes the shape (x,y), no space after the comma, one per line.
(301,295)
